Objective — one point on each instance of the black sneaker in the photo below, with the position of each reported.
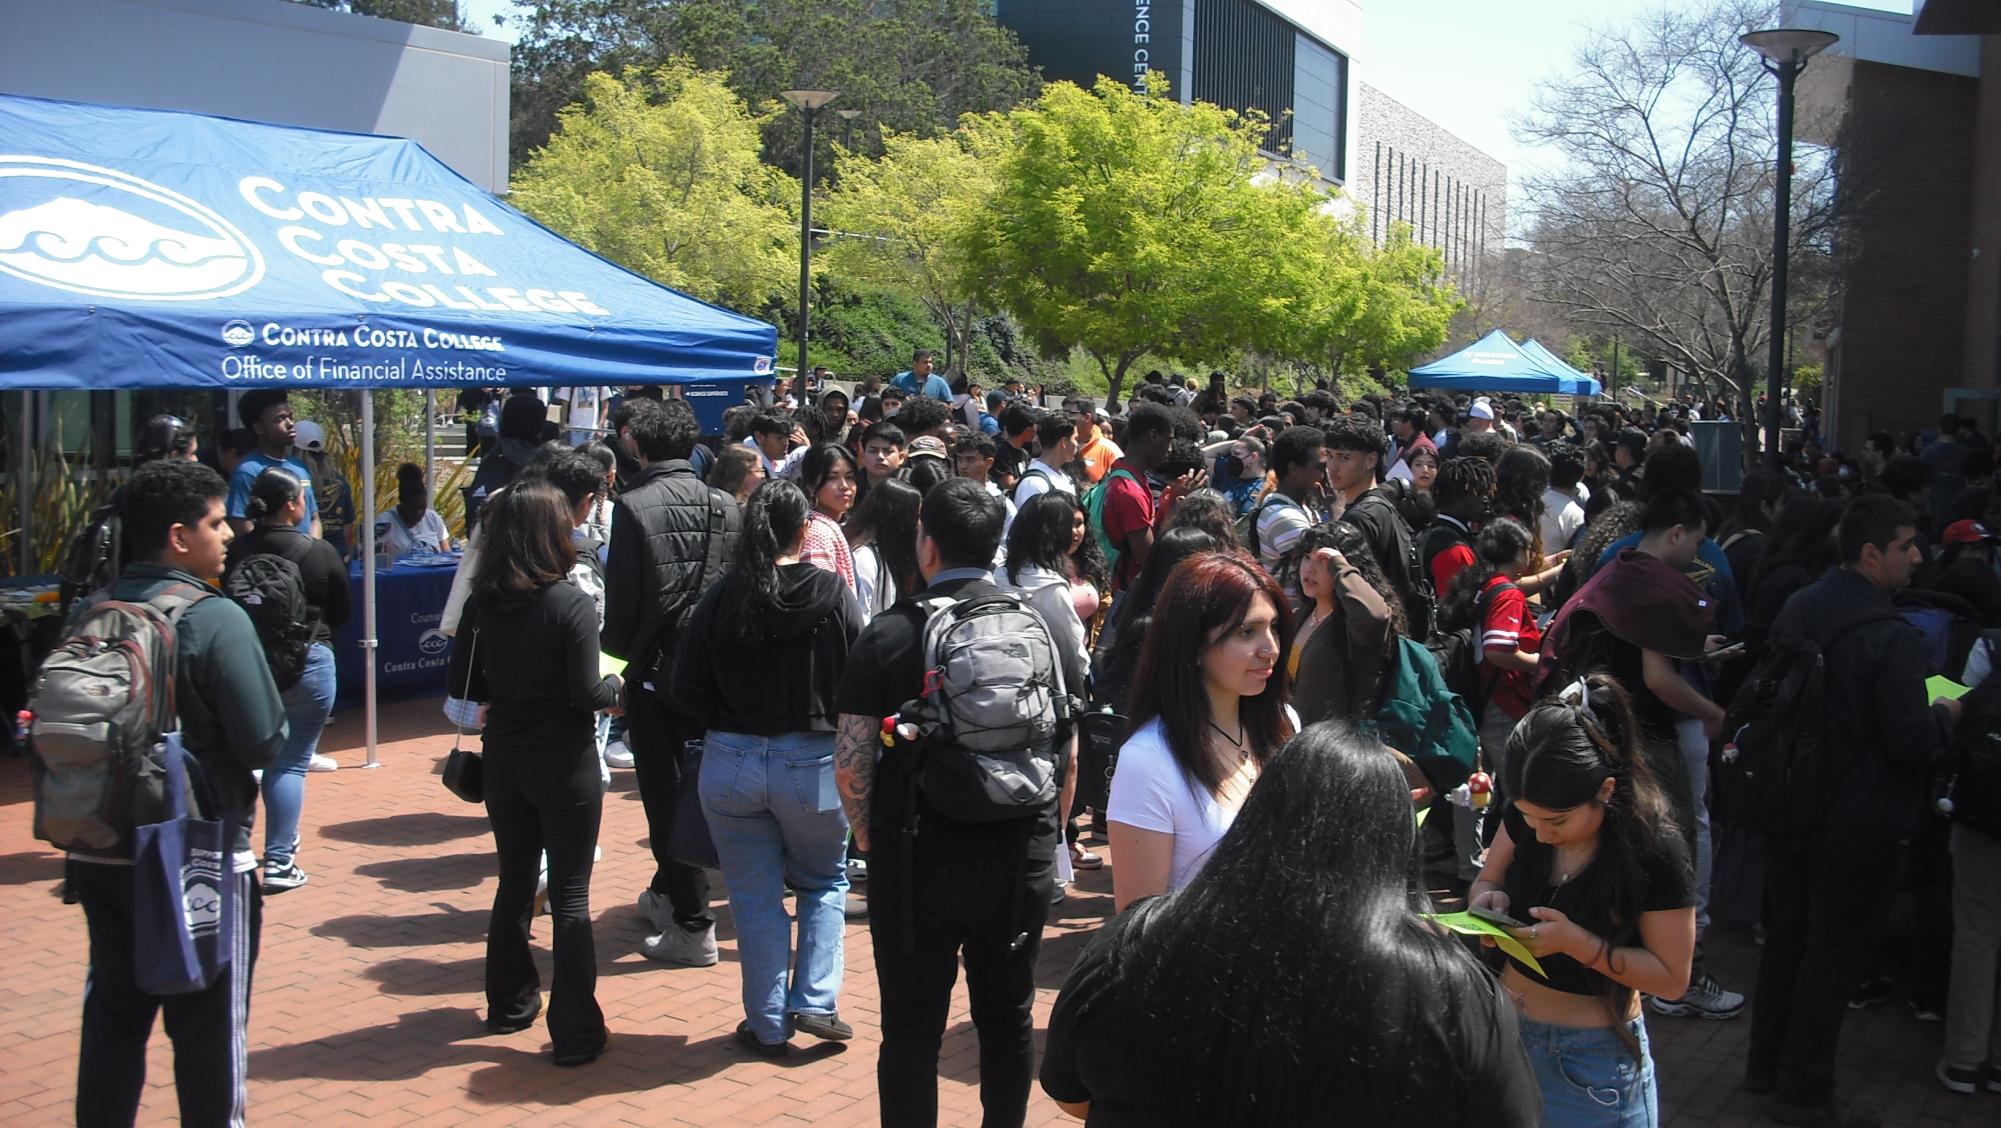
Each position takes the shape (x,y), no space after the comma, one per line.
(1958,1078)
(826,1027)
(748,1040)
(1870,992)
(278,879)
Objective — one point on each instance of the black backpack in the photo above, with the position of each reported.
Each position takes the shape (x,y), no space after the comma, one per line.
(270,587)
(1972,785)
(1458,654)
(1772,773)
(94,560)
(1375,514)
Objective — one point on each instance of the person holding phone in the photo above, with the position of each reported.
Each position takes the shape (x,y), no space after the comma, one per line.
(1589,859)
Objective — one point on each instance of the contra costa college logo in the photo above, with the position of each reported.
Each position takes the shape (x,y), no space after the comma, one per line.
(98,231)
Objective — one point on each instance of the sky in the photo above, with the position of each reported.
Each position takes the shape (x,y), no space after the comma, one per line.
(1466,64)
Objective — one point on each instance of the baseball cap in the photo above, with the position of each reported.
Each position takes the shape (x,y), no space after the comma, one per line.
(1481,409)
(308,435)
(1966,532)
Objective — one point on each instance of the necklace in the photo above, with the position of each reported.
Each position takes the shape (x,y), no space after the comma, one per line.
(1237,741)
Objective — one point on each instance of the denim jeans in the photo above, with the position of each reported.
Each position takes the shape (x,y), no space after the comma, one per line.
(306,707)
(1694,744)
(775,816)
(1589,1079)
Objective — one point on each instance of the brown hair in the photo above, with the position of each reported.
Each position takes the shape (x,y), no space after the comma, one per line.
(524,542)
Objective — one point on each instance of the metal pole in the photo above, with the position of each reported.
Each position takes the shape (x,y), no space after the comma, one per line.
(367,523)
(430,439)
(24,460)
(1612,377)
(1775,361)
(805,263)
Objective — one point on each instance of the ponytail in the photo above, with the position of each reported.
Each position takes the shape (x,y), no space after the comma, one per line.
(271,492)
(772,520)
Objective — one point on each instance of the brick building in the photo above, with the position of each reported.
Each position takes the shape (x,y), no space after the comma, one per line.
(1912,107)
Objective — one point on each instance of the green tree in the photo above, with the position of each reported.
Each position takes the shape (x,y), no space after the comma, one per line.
(897,219)
(1361,306)
(660,174)
(428,13)
(1129,223)
(907,65)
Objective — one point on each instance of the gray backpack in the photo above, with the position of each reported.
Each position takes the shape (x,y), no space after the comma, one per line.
(101,703)
(993,699)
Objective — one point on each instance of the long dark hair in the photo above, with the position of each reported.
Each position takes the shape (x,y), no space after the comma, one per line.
(819,465)
(1207,596)
(1354,547)
(1803,539)
(772,520)
(524,541)
(1040,537)
(1499,543)
(273,490)
(1520,478)
(1293,976)
(1558,757)
(887,519)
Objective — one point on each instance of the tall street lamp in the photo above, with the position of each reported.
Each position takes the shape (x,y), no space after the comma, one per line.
(809,103)
(1786,51)
(848,128)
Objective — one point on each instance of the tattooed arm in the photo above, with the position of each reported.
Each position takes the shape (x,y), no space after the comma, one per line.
(855,745)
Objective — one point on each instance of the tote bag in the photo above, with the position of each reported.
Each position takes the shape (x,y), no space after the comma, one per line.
(182,912)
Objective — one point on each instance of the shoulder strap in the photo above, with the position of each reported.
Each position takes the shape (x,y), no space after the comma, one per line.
(1843,627)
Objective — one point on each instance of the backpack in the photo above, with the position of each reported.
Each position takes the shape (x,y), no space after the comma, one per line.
(270,587)
(1772,773)
(1425,720)
(1458,653)
(101,704)
(1376,516)
(1972,786)
(1094,512)
(993,699)
(93,561)
(1287,574)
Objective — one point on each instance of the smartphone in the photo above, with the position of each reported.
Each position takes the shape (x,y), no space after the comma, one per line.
(1492,917)
(1722,652)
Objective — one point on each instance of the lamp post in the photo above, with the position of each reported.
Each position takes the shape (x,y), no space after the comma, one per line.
(1786,51)
(809,103)
(848,128)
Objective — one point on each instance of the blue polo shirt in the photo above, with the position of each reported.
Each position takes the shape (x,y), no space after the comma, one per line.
(933,385)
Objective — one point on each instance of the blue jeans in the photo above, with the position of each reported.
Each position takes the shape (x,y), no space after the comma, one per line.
(775,816)
(306,707)
(1588,1079)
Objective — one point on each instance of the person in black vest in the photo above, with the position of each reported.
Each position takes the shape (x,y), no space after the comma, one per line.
(1354,462)
(233,723)
(671,536)
(949,888)
(1826,896)
(278,506)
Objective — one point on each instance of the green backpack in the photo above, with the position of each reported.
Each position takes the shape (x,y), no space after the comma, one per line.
(1424,720)
(1094,512)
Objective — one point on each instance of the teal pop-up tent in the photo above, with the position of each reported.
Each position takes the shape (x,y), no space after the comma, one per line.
(1495,363)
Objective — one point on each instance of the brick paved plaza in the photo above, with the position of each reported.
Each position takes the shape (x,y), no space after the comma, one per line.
(367,998)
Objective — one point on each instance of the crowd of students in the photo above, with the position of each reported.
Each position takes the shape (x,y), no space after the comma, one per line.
(1235,591)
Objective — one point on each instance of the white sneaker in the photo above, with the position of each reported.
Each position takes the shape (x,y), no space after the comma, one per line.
(682,948)
(857,870)
(657,910)
(321,763)
(1706,998)
(617,754)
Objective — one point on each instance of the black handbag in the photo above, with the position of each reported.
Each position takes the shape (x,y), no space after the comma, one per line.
(688,840)
(463,775)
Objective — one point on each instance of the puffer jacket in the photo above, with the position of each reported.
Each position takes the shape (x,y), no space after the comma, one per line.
(671,536)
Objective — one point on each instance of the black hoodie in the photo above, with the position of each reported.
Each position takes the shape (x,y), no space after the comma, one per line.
(771,682)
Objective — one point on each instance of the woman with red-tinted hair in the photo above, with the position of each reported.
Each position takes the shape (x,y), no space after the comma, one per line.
(1207,711)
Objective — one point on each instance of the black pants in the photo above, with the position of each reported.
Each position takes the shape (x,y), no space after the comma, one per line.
(655,735)
(206,1027)
(533,809)
(955,906)
(1824,906)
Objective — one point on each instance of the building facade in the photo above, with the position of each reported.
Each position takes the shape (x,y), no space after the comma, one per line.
(1411,170)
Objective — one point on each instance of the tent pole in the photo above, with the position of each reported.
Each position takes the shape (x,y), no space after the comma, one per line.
(23,477)
(367,523)
(430,439)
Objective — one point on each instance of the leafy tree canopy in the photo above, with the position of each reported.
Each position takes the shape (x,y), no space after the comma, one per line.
(659,172)
(428,13)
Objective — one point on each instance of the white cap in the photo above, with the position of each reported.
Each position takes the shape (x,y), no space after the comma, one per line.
(308,435)
(1481,409)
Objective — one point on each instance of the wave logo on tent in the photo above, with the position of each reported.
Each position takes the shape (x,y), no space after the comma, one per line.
(761,366)
(98,231)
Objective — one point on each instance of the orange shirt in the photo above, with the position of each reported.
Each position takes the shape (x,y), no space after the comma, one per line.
(1098,456)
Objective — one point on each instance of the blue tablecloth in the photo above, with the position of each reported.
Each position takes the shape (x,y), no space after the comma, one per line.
(411,650)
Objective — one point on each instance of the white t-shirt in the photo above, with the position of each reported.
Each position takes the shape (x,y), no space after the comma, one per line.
(586,405)
(1040,477)
(1562,516)
(875,588)
(428,534)
(1150,792)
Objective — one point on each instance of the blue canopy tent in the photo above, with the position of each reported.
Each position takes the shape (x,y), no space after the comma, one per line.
(148,249)
(1495,363)
(1550,360)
